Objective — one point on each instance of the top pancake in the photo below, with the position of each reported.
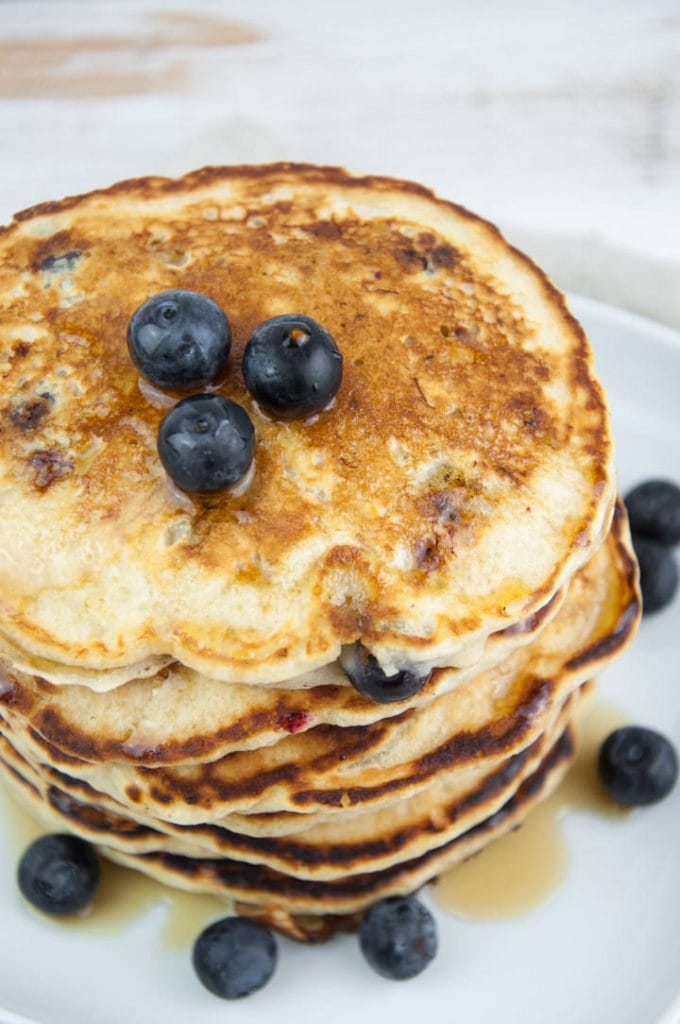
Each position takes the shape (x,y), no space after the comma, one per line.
(461,478)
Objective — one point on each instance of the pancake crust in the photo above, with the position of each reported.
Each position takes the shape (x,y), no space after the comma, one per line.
(180,716)
(374,840)
(183,717)
(332,769)
(272,894)
(461,478)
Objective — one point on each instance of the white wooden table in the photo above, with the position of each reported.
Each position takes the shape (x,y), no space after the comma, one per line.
(559,120)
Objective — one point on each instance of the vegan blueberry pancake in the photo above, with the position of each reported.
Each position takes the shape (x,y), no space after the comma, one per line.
(310,544)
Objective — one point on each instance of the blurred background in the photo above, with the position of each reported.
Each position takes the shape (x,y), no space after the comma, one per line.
(560,121)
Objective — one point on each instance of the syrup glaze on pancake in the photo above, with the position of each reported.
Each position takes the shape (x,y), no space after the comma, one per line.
(462,476)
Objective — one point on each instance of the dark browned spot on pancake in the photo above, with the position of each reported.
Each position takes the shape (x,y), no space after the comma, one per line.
(324,229)
(425,253)
(58,246)
(443,509)
(233,776)
(92,817)
(293,851)
(63,263)
(134,794)
(260,880)
(530,415)
(48,465)
(462,748)
(29,414)
(9,684)
(165,798)
(517,476)
(45,686)
(609,645)
(427,555)
(13,694)
(443,257)
(466,334)
(410,259)
(343,555)
(21,349)
(56,755)
(19,777)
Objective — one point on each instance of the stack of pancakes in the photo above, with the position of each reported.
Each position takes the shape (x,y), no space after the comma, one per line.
(169,678)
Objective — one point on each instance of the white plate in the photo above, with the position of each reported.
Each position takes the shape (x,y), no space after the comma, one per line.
(603,948)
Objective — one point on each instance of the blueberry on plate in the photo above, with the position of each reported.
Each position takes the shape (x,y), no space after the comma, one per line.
(365,674)
(179,340)
(654,511)
(234,957)
(206,443)
(59,874)
(658,574)
(637,765)
(292,366)
(398,937)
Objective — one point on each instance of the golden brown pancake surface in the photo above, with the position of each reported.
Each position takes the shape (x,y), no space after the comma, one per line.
(463,474)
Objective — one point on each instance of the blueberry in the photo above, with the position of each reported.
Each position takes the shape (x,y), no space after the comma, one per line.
(654,511)
(179,340)
(398,937)
(658,574)
(363,671)
(292,366)
(637,765)
(234,957)
(206,443)
(59,874)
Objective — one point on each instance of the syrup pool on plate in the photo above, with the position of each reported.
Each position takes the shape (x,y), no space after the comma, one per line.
(516,872)
(124,895)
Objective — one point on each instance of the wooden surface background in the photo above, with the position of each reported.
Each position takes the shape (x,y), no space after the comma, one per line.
(558,120)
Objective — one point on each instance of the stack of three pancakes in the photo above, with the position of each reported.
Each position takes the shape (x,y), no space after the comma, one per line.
(172,684)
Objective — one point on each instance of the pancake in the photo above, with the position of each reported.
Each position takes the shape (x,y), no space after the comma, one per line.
(179,716)
(269,893)
(463,475)
(373,840)
(332,769)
